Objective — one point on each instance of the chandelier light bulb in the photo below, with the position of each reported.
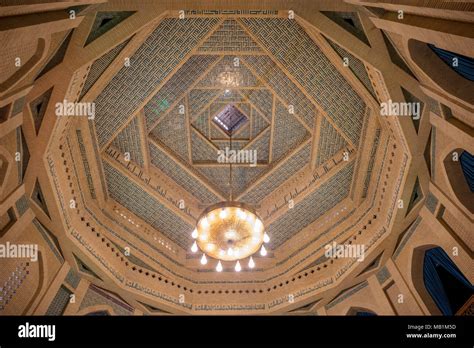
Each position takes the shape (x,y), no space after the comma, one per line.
(263,251)
(194,248)
(205,223)
(251,263)
(230,251)
(223,214)
(194,234)
(241,214)
(238,268)
(266,238)
(219,267)
(203,259)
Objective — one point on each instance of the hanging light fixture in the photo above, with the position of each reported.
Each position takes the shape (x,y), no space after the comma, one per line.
(266,238)
(238,268)
(229,231)
(219,267)
(251,263)
(203,259)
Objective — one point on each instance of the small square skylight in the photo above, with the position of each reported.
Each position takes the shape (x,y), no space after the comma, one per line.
(230,119)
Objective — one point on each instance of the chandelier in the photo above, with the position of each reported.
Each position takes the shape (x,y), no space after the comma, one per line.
(229,232)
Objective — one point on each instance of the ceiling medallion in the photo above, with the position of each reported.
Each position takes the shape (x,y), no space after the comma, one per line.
(229,231)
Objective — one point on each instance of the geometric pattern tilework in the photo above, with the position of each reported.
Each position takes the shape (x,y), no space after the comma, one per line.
(92,134)
(262,146)
(325,197)
(350,22)
(261,98)
(356,66)
(150,64)
(236,144)
(258,124)
(161,161)
(245,109)
(202,124)
(330,142)
(172,132)
(229,37)
(141,203)
(201,149)
(199,98)
(241,178)
(128,140)
(175,87)
(232,97)
(217,177)
(244,132)
(278,176)
(59,302)
(288,134)
(305,61)
(283,86)
(99,66)
(216,133)
(226,74)
(205,84)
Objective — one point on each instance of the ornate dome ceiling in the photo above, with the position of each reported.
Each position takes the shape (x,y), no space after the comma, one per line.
(173,88)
